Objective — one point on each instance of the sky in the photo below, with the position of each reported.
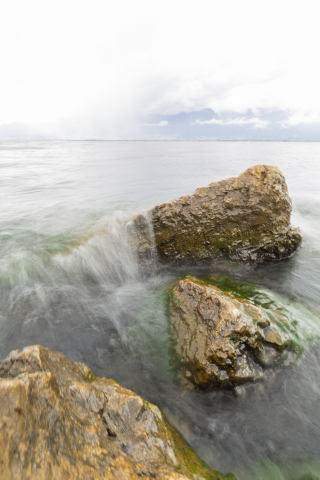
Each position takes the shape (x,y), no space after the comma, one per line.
(104,68)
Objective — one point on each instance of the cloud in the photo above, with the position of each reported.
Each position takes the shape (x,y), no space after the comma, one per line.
(163,123)
(301,118)
(255,122)
(112,64)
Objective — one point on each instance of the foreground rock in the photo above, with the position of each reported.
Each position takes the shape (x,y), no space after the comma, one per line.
(244,218)
(221,340)
(57,421)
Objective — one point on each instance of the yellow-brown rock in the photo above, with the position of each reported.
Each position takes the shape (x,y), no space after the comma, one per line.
(221,340)
(244,218)
(57,421)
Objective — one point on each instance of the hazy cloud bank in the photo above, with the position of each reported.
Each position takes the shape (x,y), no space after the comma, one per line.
(204,124)
(74,70)
(207,124)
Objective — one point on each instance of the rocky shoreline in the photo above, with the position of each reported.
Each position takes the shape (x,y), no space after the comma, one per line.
(58,421)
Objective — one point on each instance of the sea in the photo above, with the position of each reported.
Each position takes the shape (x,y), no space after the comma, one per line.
(70,282)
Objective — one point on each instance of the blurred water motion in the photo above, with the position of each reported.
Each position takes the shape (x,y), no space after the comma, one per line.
(69,282)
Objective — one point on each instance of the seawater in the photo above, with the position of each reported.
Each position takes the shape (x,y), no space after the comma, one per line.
(69,281)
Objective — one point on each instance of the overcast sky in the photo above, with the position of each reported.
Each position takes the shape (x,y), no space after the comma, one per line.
(111,62)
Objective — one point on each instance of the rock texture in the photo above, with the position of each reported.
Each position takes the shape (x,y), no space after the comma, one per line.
(221,340)
(244,218)
(57,421)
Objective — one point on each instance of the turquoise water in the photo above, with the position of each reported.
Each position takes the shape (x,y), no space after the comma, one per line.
(69,281)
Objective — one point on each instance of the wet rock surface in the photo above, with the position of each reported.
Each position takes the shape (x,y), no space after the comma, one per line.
(58,421)
(224,341)
(246,218)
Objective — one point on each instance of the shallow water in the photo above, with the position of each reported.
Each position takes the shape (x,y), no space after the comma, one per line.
(69,282)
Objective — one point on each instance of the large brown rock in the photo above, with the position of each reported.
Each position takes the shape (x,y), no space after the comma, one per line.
(221,340)
(57,421)
(245,218)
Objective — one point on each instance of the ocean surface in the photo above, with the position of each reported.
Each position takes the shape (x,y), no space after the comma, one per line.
(68,281)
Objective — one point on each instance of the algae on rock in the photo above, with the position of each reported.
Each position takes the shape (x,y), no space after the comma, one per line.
(58,421)
(224,340)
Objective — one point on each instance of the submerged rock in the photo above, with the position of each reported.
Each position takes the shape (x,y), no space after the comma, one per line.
(245,218)
(221,340)
(58,421)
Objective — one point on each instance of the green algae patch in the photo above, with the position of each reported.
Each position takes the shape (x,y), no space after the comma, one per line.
(90,377)
(290,317)
(273,306)
(148,337)
(191,463)
(303,468)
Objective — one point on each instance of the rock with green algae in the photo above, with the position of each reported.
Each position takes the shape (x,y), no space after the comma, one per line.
(58,421)
(246,218)
(221,339)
